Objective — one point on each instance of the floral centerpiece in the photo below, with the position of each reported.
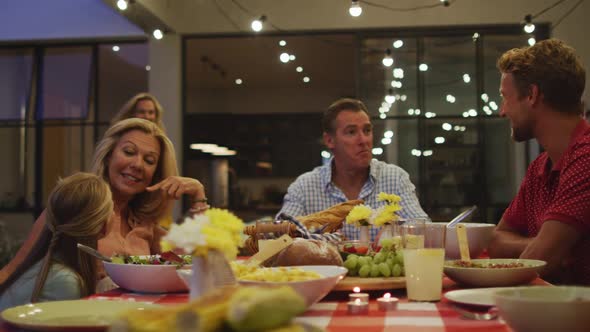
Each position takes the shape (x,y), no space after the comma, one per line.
(387,213)
(360,216)
(363,216)
(212,238)
(216,229)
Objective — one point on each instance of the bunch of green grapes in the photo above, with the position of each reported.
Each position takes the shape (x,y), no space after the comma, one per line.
(386,263)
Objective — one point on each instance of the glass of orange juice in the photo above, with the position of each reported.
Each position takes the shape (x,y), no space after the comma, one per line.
(424,255)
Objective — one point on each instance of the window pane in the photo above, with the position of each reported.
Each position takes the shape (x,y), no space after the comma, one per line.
(66,150)
(399,80)
(65,83)
(15,82)
(11,168)
(121,74)
(452,171)
(403,142)
(448,68)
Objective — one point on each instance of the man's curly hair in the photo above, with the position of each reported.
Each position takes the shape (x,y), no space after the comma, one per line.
(551,65)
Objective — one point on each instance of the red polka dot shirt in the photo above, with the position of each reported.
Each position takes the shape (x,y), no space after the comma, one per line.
(559,192)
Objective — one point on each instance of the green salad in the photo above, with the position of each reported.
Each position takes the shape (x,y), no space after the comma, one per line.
(165,258)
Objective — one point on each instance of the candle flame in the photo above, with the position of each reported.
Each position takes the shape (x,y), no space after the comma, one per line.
(386,295)
(356,289)
(357,301)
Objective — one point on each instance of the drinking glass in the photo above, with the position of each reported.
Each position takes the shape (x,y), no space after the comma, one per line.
(424,255)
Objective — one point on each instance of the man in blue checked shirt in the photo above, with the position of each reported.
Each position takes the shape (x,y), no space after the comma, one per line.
(352,173)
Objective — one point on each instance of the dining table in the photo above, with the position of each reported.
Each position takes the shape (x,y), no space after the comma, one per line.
(331,313)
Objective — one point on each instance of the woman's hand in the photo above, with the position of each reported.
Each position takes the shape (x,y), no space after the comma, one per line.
(176,186)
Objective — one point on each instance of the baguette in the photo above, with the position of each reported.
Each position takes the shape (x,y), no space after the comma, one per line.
(329,220)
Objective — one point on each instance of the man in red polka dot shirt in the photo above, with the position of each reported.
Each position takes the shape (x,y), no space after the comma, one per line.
(549,219)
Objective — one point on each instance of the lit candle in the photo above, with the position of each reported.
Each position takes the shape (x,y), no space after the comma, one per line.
(357,295)
(358,307)
(387,302)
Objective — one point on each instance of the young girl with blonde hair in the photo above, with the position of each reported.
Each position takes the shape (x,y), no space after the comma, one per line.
(54,269)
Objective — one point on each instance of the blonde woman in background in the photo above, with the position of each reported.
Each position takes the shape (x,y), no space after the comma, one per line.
(143,105)
(54,269)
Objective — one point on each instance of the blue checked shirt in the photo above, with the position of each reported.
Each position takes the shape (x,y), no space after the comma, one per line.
(314,191)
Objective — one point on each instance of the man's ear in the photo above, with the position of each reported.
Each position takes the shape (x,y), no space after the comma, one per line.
(534,96)
(328,140)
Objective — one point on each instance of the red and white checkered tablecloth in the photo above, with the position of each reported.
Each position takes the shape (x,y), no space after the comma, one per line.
(334,317)
(332,314)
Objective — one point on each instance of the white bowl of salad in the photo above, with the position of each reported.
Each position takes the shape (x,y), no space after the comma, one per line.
(148,274)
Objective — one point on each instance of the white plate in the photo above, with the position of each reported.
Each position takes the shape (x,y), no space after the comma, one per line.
(483,297)
(77,315)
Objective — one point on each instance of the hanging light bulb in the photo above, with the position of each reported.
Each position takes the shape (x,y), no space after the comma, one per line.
(284,57)
(529,27)
(257,24)
(390,98)
(387,59)
(355,9)
(158,34)
(532,41)
(122,4)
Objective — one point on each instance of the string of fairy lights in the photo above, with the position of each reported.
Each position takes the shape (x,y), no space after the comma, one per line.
(260,22)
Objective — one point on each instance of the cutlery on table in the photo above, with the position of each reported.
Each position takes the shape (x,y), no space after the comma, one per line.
(462,216)
(492,313)
(94,253)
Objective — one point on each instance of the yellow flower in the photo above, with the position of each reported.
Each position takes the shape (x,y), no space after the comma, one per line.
(359,215)
(215,229)
(389,198)
(386,215)
(228,222)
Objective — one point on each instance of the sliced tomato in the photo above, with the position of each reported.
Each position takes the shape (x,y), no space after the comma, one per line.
(349,248)
(362,250)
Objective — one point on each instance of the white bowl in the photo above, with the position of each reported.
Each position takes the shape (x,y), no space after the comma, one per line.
(312,290)
(545,308)
(146,278)
(479,236)
(494,277)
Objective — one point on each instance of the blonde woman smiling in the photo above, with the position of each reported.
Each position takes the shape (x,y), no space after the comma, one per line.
(138,161)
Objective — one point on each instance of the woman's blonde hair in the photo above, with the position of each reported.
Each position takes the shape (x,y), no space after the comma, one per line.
(145,206)
(77,210)
(129,108)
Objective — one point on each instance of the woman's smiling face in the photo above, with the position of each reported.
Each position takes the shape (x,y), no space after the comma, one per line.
(132,164)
